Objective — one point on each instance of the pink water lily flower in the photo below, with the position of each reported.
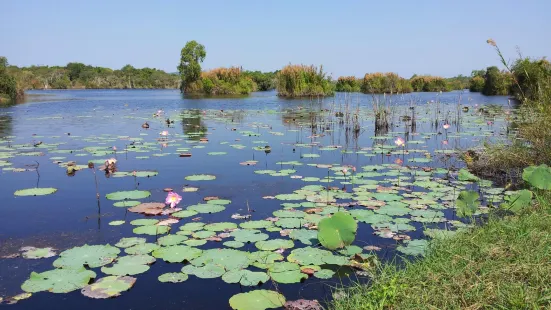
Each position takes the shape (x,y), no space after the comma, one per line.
(446,126)
(354,169)
(173,199)
(164,133)
(344,170)
(114,148)
(399,142)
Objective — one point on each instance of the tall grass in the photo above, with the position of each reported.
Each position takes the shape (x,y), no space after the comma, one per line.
(303,81)
(427,83)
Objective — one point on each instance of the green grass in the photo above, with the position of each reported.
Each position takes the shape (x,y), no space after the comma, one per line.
(503,264)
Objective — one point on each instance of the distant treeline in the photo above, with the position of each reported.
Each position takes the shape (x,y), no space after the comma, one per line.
(78,75)
(528,79)
(378,83)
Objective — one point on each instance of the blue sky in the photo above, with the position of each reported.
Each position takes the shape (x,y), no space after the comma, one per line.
(348,37)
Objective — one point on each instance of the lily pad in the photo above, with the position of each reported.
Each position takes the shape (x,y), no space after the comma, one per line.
(208,271)
(92,256)
(274,244)
(201,177)
(35,191)
(286,272)
(245,277)
(337,231)
(140,249)
(108,287)
(248,235)
(257,300)
(58,280)
(128,195)
(128,242)
(177,253)
(37,253)
(173,277)
(229,259)
(151,230)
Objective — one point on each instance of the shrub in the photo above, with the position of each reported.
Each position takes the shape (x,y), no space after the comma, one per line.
(348,84)
(476,84)
(222,81)
(378,83)
(428,83)
(302,81)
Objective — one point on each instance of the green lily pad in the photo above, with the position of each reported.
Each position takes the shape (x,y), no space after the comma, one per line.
(245,277)
(201,177)
(304,235)
(184,213)
(256,224)
(220,226)
(108,287)
(208,271)
(257,300)
(128,242)
(539,177)
(140,249)
(414,247)
(92,256)
(126,203)
(234,244)
(337,231)
(229,259)
(206,208)
(151,230)
(263,259)
(177,253)
(116,223)
(248,235)
(128,195)
(465,175)
(173,277)
(193,226)
(286,272)
(274,244)
(35,191)
(129,265)
(324,274)
(467,203)
(58,280)
(171,240)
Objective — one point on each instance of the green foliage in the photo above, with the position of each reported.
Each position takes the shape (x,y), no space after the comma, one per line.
(78,75)
(459,82)
(501,264)
(348,84)
(191,57)
(337,231)
(429,84)
(538,177)
(518,201)
(467,203)
(8,85)
(533,80)
(496,82)
(476,84)
(222,81)
(264,80)
(303,81)
(378,83)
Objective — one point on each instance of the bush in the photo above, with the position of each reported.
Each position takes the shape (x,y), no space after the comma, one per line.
(378,83)
(496,82)
(429,84)
(348,84)
(303,81)
(533,80)
(264,80)
(222,81)
(476,84)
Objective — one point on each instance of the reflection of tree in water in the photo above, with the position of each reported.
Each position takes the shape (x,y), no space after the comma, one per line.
(6,125)
(193,125)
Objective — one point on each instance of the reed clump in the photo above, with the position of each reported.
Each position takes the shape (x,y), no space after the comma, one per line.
(304,81)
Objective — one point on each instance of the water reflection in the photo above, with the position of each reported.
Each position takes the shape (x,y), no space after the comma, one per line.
(6,125)
(193,125)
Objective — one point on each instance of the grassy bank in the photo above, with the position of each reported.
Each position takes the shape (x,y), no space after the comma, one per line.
(504,264)
(222,81)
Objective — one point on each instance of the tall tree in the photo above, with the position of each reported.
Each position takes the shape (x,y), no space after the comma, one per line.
(191,57)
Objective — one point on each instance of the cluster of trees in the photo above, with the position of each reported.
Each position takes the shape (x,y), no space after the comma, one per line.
(528,79)
(303,81)
(79,75)
(392,83)
(8,85)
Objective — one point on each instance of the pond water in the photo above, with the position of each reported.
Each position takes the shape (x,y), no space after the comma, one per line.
(395,191)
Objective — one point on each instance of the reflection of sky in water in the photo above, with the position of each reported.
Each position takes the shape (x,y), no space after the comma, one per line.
(98,117)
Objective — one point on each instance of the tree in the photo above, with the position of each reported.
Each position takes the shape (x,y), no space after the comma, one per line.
(74,69)
(8,85)
(190,58)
